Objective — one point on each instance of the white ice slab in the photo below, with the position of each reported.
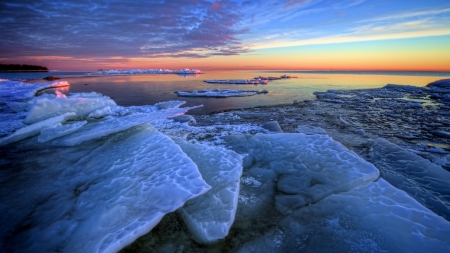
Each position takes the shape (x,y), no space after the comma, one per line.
(308,167)
(109,198)
(210,216)
(44,108)
(220,93)
(59,130)
(423,180)
(376,217)
(112,125)
(35,128)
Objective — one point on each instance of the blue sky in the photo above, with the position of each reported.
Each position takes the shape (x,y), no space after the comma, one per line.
(108,32)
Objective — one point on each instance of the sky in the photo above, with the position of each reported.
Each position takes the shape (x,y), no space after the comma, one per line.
(86,35)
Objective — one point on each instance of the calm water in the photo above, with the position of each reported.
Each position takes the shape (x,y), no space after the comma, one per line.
(150,88)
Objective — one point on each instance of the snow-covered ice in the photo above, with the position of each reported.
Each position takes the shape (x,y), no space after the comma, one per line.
(15,90)
(218,93)
(308,167)
(425,181)
(44,108)
(210,216)
(376,217)
(107,199)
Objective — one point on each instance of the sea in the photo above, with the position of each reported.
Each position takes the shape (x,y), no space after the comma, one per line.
(147,89)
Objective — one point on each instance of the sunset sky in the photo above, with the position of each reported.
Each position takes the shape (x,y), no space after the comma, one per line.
(283,35)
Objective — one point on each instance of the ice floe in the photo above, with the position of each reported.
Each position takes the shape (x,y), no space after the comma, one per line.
(375,217)
(308,167)
(220,93)
(107,199)
(35,129)
(210,216)
(238,81)
(427,182)
(150,71)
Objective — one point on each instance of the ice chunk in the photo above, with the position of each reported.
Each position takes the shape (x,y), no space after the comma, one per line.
(220,93)
(113,125)
(15,90)
(35,128)
(421,179)
(44,108)
(308,167)
(376,217)
(59,130)
(272,126)
(169,104)
(210,216)
(309,130)
(109,198)
(108,111)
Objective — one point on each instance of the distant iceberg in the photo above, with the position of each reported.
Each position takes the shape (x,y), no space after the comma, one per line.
(149,71)
(218,93)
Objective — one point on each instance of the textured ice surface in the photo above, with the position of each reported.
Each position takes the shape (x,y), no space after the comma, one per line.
(427,182)
(307,167)
(15,90)
(35,128)
(104,201)
(309,130)
(150,71)
(210,216)
(108,111)
(44,108)
(112,125)
(220,93)
(375,217)
(59,130)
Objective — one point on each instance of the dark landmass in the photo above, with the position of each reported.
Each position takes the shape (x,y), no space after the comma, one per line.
(22,68)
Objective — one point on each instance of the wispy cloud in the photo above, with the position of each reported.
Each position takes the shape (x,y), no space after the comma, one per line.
(411,14)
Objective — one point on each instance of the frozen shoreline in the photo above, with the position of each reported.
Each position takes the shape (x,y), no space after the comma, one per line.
(283,174)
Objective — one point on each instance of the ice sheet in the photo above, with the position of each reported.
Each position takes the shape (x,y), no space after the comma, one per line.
(308,167)
(220,93)
(423,180)
(210,216)
(59,130)
(44,108)
(376,217)
(35,128)
(112,125)
(107,199)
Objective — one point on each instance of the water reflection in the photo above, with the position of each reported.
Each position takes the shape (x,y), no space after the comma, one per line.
(144,89)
